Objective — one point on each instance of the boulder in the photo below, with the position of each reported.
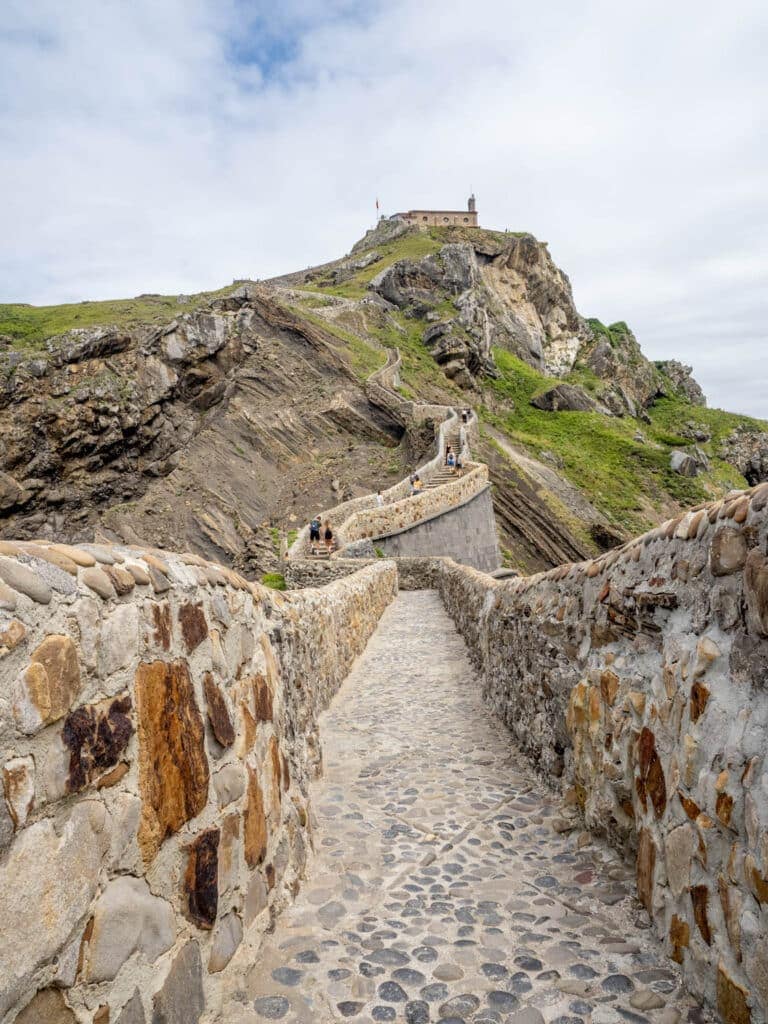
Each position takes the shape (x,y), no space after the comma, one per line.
(684,464)
(564,398)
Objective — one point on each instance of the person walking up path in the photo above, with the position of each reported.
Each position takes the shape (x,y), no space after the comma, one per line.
(444,888)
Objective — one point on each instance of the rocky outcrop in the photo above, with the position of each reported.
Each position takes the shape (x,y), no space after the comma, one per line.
(156,749)
(507,293)
(200,433)
(680,378)
(564,398)
(746,448)
(638,680)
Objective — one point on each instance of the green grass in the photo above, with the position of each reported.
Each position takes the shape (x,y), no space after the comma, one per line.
(630,482)
(274,580)
(613,333)
(30,326)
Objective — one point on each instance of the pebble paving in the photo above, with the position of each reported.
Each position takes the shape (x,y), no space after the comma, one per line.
(441,890)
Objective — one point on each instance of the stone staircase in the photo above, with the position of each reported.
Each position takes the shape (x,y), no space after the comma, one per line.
(443,475)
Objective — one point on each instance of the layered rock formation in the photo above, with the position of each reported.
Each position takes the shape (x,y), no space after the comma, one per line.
(184,433)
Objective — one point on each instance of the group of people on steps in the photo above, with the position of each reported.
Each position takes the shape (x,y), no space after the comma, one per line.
(316,526)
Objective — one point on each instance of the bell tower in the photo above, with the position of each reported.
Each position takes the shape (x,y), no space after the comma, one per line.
(471,204)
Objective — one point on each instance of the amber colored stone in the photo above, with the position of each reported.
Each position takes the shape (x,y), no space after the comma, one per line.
(731,999)
(218,712)
(161,616)
(269,872)
(679,936)
(646,862)
(700,901)
(757,882)
(651,780)
(609,686)
(53,678)
(12,635)
(286,774)
(724,807)
(201,879)
(96,737)
(194,627)
(255,830)
(691,808)
(122,580)
(112,778)
(699,698)
(101,1016)
(173,768)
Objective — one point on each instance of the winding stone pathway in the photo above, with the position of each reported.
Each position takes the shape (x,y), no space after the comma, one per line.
(441,890)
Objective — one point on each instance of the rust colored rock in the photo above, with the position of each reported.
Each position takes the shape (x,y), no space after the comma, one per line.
(161,616)
(757,882)
(274,756)
(691,808)
(679,936)
(646,862)
(101,1016)
(112,778)
(255,830)
(173,768)
(194,627)
(700,901)
(731,999)
(651,782)
(728,552)
(264,698)
(96,737)
(756,592)
(724,807)
(218,712)
(201,881)
(609,686)
(699,698)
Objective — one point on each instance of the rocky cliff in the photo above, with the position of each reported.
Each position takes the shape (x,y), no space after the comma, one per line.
(222,427)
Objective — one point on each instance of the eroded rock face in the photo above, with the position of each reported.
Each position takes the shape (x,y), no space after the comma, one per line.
(173,768)
(564,398)
(681,379)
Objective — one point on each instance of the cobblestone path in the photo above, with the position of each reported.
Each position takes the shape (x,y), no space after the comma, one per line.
(441,890)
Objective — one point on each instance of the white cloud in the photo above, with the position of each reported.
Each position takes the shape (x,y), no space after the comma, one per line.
(171,146)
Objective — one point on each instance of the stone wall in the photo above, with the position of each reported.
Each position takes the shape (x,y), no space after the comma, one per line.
(466,530)
(158,732)
(641,680)
(416,509)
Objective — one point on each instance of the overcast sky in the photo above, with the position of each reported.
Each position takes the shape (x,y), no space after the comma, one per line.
(173,145)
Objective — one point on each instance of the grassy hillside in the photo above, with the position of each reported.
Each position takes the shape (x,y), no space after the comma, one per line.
(29,326)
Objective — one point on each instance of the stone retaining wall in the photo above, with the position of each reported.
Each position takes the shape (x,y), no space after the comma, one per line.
(641,680)
(412,511)
(158,732)
(380,390)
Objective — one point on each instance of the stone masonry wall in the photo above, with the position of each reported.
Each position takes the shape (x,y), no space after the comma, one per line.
(158,732)
(641,680)
(467,531)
